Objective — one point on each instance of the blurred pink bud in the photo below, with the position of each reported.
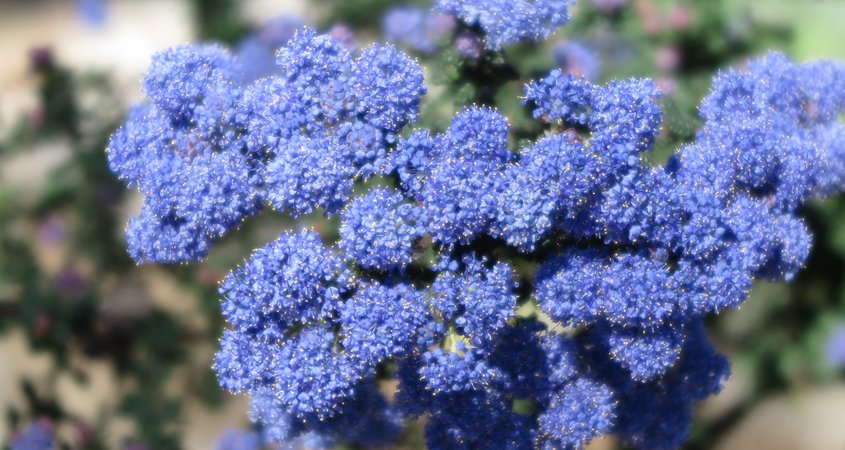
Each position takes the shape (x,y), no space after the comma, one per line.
(43,324)
(40,58)
(650,16)
(667,85)
(667,58)
(343,34)
(680,17)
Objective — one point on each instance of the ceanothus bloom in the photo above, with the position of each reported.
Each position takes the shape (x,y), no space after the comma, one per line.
(506,22)
(378,230)
(456,176)
(457,246)
(183,151)
(327,119)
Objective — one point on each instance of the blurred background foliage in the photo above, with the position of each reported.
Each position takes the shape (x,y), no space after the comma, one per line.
(110,355)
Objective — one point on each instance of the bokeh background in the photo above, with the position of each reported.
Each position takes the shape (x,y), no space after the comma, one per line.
(103,354)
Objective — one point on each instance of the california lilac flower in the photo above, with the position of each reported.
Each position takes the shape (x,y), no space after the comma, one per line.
(472,411)
(378,230)
(295,332)
(578,413)
(327,119)
(314,280)
(668,58)
(585,287)
(506,22)
(541,187)
(53,230)
(453,241)
(257,52)
(416,29)
(183,151)
(197,152)
(456,175)
(478,300)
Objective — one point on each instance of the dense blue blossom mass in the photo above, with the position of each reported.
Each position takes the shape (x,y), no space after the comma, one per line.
(506,22)
(522,296)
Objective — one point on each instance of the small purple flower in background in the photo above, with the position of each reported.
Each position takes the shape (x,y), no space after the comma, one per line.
(343,34)
(667,58)
(53,230)
(649,16)
(667,85)
(69,283)
(442,23)
(609,6)
(468,45)
(40,58)
(37,436)
(91,12)
(835,350)
(416,28)
(576,58)
(680,17)
(135,446)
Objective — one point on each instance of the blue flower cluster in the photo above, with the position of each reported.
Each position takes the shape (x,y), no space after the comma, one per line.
(256,53)
(379,229)
(207,151)
(328,119)
(506,22)
(185,152)
(456,176)
(448,279)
